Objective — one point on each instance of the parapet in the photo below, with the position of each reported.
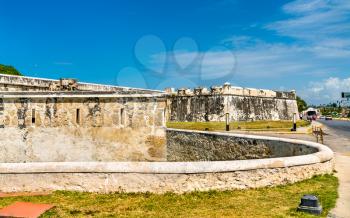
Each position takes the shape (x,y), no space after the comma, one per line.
(227,89)
(64,84)
(23,83)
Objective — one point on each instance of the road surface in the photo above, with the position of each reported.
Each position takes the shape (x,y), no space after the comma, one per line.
(341,127)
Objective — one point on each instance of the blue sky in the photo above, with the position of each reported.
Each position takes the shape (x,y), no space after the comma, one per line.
(284,45)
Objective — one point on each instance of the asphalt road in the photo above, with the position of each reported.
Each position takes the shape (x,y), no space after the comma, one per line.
(339,126)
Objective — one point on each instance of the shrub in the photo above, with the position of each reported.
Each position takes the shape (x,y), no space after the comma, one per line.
(9,70)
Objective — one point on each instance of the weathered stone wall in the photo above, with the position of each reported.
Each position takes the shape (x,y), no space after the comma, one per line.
(179,177)
(214,108)
(183,145)
(69,128)
(22,83)
(244,104)
(241,104)
(160,183)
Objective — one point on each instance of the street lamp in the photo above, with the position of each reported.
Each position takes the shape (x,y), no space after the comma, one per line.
(227,122)
(294,128)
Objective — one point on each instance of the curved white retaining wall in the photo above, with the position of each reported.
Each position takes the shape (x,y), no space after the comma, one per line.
(167,176)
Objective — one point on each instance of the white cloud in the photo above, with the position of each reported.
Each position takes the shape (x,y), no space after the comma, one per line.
(239,41)
(270,60)
(217,63)
(264,60)
(321,29)
(302,6)
(320,49)
(325,91)
(314,20)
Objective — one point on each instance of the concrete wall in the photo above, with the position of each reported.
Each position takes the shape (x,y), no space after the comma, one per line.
(160,177)
(184,145)
(160,183)
(241,104)
(45,128)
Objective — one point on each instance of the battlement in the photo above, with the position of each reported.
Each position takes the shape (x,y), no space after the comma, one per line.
(23,83)
(227,89)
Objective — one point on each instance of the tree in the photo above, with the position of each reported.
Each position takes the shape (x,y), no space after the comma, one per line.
(301,104)
(4,69)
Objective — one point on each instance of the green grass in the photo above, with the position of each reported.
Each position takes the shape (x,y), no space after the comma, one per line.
(278,201)
(250,125)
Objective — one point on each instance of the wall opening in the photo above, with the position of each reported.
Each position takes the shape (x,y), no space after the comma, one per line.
(77,117)
(122,116)
(33,116)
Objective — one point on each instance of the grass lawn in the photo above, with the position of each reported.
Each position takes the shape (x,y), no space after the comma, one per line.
(278,201)
(281,125)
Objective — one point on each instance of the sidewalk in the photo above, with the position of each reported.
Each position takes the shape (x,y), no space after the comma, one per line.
(341,147)
(342,208)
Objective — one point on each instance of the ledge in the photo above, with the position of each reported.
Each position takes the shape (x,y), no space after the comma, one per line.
(172,95)
(324,154)
(45,82)
(74,94)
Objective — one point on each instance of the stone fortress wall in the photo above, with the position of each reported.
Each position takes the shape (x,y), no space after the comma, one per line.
(200,104)
(299,160)
(23,83)
(61,120)
(53,120)
(66,135)
(184,145)
(242,104)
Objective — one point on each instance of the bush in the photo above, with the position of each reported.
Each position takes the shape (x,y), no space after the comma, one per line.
(9,70)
